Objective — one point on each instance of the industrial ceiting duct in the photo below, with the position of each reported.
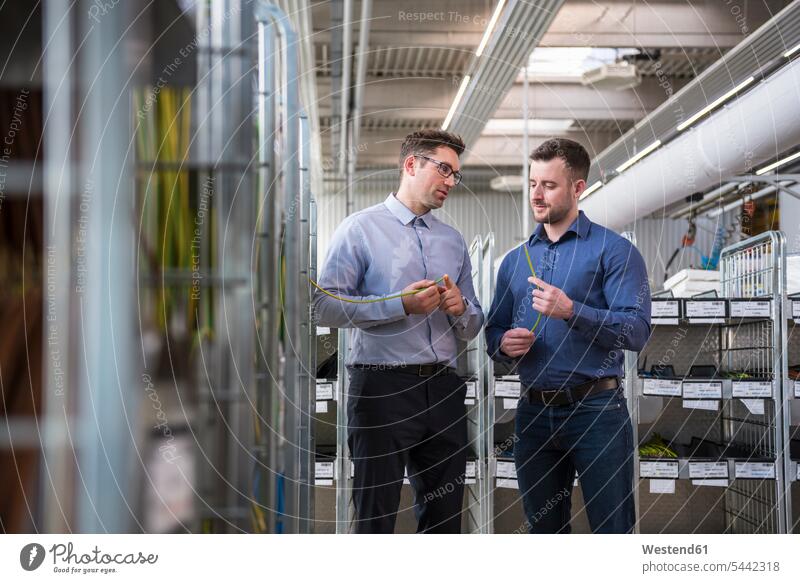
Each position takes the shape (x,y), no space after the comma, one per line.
(754,129)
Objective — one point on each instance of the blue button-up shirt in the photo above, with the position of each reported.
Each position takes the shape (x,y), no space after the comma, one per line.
(376,253)
(605,277)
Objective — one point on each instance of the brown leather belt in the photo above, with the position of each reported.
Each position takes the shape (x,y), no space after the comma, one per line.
(573,394)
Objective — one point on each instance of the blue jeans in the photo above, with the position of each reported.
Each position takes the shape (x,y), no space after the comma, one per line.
(594,437)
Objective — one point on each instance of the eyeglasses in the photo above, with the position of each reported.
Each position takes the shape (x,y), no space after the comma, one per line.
(445,170)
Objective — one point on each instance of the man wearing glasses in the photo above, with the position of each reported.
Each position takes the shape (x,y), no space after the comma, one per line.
(405,403)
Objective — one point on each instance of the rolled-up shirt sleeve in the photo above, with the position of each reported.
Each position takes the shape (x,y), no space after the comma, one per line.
(626,322)
(467,325)
(341,276)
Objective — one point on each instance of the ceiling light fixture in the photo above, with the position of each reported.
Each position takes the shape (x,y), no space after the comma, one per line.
(459,95)
(490,28)
(774,165)
(591,189)
(639,156)
(716,103)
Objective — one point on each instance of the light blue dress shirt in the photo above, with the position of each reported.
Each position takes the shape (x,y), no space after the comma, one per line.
(376,253)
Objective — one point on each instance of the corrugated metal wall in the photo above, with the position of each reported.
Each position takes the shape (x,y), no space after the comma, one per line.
(474,208)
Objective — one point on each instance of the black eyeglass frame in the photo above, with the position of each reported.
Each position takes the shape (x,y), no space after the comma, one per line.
(443,169)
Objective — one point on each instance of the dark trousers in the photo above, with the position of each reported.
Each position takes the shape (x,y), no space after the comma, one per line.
(595,438)
(396,421)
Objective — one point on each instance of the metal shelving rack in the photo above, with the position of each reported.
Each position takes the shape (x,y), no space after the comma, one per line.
(743,419)
(756,268)
(792,394)
(285,364)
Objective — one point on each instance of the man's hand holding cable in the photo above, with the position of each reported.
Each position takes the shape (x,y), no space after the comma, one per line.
(550,300)
(423,302)
(451,301)
(516,342)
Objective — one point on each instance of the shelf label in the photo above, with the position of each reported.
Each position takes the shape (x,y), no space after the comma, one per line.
(665,309)
(744,389)
(321,406)
(472,389)
(755,470)
(662,387)
(651,469)
(506,470)
(323,331)
(751,309)
(470,470)
(506,389)
(323,470)
(755,406)
(717,483)
(662,486)
(702,389)
(797,477)
(699,404)
(510,403)
(469,402)
(796,309)
(797,389)
(706,470)
(324,391)
(709,309)
(507,483)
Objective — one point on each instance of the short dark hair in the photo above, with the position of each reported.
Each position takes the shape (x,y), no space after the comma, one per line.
(575,156)
(425,142)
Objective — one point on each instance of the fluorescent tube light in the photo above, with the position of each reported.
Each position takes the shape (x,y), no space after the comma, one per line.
(716,103)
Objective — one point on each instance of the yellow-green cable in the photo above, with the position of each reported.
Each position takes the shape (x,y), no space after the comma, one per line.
(372,301)
(530,264)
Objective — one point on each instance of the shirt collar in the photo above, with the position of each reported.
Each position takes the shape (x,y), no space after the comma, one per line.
(404,214)
(580,226)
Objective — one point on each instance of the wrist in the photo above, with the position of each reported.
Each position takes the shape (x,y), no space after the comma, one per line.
(570,310)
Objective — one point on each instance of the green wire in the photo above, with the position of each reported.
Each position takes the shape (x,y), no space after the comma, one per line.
(530,264)
(372,301)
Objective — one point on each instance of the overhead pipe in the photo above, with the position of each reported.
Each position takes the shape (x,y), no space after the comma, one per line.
(754,129)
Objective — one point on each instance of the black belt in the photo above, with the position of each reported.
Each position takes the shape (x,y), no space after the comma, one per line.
(422,370)
(573,394)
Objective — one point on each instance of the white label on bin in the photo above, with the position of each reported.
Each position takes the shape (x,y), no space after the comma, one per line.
(662,486)
(324,391)
(506,389)
(323,470)
(472,389)
(507,483)
(750,309)
(797,389)
(757,470)
(322,330)
(470,470)
(651,469)
(717,483)
(702,390)
(699,309)
(469,401)
(661,387)
(668,309)
(797,477)
(755,406)
(506,470)
(796,309)
(703,405)
(323,482)
(761,389)
(510,403)
(321,407)
(469,480)
(664,321)
(705,470)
